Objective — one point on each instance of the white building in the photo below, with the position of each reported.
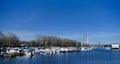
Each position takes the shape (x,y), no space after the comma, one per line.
(115,46)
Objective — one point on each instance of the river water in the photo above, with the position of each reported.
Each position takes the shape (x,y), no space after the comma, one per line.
(97,56)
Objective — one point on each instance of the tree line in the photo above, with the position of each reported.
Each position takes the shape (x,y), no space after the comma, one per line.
(12,40)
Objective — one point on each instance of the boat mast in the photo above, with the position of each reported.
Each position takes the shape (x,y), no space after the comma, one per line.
(87,39)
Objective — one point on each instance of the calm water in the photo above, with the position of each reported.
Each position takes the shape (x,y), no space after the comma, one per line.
(98,56)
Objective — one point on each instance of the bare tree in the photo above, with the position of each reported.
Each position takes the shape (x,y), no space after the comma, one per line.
(2,39)
(12,39)
(55,41)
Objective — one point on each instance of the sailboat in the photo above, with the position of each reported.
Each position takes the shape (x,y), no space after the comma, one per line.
(86,48)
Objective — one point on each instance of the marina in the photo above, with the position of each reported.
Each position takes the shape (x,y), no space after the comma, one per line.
(99,56)
(13,52)
(59,32)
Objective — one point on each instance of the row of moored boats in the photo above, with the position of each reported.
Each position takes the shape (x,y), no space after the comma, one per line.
(13,52)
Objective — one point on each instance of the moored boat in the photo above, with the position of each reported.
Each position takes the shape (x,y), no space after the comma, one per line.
(85,48)
(73,49)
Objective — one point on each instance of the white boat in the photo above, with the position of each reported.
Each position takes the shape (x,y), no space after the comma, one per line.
(63,50)
(10,51)
(28,52)
(43,51)
(86,48)
(107,48)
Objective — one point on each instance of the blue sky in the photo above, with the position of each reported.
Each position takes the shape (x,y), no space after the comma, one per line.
(63,18)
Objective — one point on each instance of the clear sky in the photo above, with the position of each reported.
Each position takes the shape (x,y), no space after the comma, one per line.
(63,18)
